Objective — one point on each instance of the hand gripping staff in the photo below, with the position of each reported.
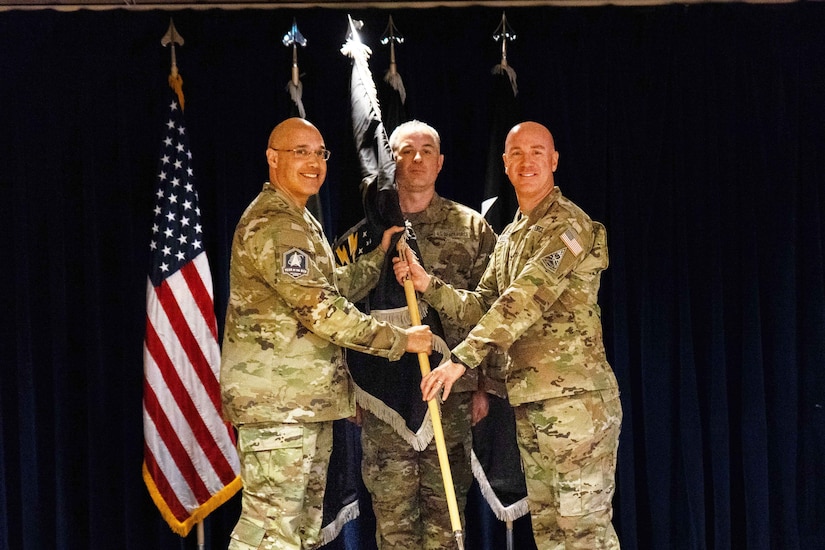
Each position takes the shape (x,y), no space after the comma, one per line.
(435,414)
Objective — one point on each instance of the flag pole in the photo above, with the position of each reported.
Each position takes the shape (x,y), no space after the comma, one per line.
(294,38)
(201,542)
(175,81)
(435,415)
(502,34)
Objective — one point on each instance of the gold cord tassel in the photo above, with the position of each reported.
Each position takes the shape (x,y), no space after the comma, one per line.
(176,83)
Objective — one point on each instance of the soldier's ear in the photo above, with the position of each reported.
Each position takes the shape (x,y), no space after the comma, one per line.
(271,157)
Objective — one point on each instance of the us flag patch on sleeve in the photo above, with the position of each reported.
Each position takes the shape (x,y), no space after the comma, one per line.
(571,239)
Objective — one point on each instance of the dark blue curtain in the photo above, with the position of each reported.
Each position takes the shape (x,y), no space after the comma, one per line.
(695,133)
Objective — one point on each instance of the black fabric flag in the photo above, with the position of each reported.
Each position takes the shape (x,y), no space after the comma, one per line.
(495,458)
(499,204)
(390,390)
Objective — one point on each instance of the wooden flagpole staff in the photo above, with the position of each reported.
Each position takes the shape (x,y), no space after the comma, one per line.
(435,414)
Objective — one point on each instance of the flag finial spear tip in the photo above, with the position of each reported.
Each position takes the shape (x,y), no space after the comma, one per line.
(504,33)
(391,34)
(172,36)
(294,36)
(393,37)
(175,81)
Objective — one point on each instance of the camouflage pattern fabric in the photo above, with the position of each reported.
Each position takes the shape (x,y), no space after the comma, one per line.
(406,486)
(287,319)
(568,449)
(284,468)
(407,490)
(537,302)
(283,376)
(456,243)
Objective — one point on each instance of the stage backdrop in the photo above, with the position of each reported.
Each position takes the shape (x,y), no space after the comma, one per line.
(695,133)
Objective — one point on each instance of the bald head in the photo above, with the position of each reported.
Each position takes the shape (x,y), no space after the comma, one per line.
(537,132)
(297,165)
(530,159)
(282,135)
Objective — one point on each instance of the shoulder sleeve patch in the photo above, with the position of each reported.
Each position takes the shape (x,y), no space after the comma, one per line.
(295,263)
(571,240)
(553,260)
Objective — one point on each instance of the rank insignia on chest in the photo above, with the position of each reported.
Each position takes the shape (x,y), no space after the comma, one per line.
(295,263)
(553,260)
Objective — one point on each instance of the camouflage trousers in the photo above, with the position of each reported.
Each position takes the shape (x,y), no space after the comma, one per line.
(406,486)
(284,473)
(568,448)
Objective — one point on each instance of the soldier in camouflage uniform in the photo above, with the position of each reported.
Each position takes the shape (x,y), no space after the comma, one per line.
(537,301)
(283,378)
(455,242)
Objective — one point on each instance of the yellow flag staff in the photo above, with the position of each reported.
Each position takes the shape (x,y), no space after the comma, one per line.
(435,413)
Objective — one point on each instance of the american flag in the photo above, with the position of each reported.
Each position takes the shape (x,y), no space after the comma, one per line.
(190,464)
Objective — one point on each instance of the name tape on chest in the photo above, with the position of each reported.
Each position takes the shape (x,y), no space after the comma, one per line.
(296,263)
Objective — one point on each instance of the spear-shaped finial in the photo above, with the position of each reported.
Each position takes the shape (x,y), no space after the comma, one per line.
(393,37)
(503,33)
(175,80)
(294,38)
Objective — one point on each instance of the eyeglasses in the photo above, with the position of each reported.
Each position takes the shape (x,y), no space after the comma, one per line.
(301,153)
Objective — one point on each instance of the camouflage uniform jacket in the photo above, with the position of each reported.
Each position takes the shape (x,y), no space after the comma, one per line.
(537,300)
(287,318)
(455,243)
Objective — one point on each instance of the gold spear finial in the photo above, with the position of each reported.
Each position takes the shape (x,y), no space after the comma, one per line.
(175,80)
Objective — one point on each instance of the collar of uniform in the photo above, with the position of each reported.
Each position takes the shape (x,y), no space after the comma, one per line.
(282,198)
(544,205)
(434,213)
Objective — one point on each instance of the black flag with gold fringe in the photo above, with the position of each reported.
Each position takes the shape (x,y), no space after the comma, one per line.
(388,389)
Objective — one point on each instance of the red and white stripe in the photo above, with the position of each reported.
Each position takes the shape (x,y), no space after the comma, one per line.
(189,454)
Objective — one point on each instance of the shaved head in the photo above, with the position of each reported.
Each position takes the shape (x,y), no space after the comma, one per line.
(535,129)
(283,132)
(530,159)
(299,176)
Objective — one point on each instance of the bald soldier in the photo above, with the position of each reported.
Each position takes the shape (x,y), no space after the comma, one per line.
(537,301)
(283,377)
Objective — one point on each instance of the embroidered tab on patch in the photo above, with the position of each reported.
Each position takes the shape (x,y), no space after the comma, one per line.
(571,239)
(295,263)
(553,260)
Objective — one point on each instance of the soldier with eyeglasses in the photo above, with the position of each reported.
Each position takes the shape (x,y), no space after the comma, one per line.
(283,377)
